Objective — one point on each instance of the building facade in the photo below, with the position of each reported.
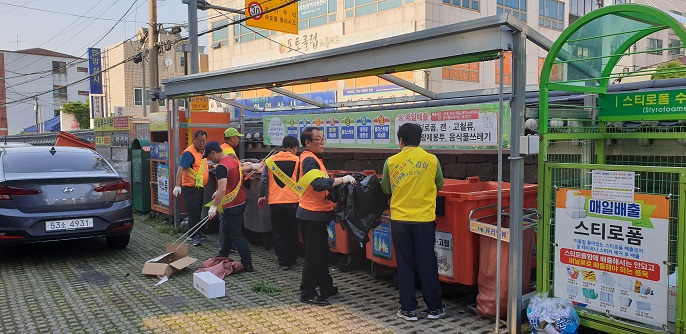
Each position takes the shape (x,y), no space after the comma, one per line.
(123,84)
(30,72)
(329,24)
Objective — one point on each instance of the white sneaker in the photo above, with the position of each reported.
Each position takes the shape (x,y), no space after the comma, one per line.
(436,314)
(408,315)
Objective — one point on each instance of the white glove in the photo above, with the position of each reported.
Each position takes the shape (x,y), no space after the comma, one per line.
(212,211)
(256,166)
(349,179)
(177,191)
(246,166)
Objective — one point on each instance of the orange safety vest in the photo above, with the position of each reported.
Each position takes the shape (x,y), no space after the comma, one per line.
(314,200)
(283,195)
(191,176)
(228,149)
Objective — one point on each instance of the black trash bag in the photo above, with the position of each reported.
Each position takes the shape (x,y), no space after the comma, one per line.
(359,207)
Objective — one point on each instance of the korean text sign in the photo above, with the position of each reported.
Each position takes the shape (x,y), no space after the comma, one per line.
(454,127)
(650,105)
(94,69)
(611,255)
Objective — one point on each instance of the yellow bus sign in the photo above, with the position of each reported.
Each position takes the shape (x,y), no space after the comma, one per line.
(284,19)
(199,103)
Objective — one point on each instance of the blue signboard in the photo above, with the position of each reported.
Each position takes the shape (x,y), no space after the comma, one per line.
(94,69)
(371,89)
(280,102)
(159,151)
(381,239)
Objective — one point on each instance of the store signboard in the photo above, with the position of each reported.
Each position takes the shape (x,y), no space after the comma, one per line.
(611,256)
(454,127)
(650,105)
(163,184)
(112,124)
(159,151)
(159,121)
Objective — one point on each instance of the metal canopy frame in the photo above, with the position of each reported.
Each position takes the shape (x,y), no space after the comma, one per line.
(470,41)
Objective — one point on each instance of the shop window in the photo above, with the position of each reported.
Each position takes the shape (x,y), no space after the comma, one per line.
(82,69)
(556,73)
(83,92)
(462,72)
(551,14)
(466,4)
(515,7)
(59,91)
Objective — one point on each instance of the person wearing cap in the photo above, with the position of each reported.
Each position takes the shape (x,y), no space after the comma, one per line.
(191,177)
(230,197)
(279,182)
(314,214)
(231,140)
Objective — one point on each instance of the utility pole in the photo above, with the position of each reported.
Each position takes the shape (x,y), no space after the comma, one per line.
(145,98)
(153,53)
(35,108)
(193,34)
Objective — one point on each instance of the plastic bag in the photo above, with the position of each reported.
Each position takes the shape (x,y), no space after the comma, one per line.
(359,207)
(552,315)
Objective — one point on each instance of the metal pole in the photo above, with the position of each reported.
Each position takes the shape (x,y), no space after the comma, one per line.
(35,108)
(145,98)
(173,127)
(499,207)
(193,34)
(152,46)
(241,145)
(514,297)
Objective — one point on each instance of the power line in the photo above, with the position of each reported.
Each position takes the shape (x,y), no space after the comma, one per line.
(57,34)
(69,84)
(101,38)
(63,13)
(257,32)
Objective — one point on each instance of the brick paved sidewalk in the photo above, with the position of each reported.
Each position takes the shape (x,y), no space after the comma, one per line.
(84,287)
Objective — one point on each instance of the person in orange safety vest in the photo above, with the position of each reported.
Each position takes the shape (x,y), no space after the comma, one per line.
(191,178)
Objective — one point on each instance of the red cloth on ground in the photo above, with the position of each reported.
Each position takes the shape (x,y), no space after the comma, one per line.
(221,266)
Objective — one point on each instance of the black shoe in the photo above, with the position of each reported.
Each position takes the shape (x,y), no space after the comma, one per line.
(326,293)
(286,267)
(316,300)
(248,269)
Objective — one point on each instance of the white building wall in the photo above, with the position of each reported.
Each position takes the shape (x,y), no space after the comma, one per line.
(28,75)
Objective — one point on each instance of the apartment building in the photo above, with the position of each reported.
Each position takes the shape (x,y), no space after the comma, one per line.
(25,73)
(123,84)
(329,24)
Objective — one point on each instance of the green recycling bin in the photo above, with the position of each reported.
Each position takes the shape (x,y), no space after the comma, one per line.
(140,174)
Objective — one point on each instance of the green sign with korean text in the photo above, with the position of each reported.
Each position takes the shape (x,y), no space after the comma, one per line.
(641,106)
(467,127)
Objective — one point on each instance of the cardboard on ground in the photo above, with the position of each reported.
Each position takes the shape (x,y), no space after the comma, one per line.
(172,261)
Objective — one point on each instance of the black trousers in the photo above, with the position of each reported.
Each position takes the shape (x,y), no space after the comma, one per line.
(285,230)
(192,199)
(316,269)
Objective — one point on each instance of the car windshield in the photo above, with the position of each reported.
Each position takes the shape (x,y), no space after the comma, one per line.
(45,162)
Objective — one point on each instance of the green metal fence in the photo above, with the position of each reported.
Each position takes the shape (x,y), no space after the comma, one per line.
(658,161)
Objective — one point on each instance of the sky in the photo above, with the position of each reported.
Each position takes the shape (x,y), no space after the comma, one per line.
(72,26)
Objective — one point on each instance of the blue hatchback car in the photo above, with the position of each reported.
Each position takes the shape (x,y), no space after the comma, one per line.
(62,193)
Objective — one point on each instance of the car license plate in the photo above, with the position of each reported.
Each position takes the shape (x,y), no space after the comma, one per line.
(68,224)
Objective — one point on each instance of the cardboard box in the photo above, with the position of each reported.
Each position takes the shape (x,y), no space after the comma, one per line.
(209,285)
(175,259)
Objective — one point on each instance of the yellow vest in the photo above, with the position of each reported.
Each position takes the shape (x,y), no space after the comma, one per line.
(413,186)
(197,175)
(228,149)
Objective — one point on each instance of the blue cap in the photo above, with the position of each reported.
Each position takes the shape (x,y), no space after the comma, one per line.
(210,147)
